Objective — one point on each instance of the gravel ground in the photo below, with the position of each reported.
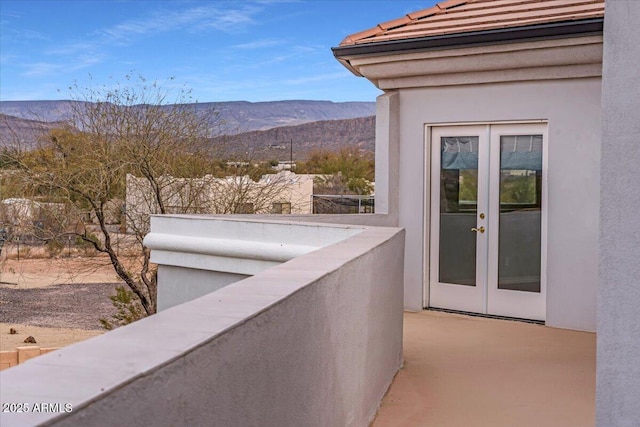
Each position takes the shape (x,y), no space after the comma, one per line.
(58,306)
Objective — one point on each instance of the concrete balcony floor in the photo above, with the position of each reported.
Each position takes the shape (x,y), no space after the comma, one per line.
(471,371)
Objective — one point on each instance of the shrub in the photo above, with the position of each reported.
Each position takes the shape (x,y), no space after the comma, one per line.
(128,309)
(24,251)
(85,247)
(53,247)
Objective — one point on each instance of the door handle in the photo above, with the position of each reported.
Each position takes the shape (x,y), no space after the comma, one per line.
(478,230)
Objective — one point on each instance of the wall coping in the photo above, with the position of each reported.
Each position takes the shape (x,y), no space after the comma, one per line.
(234,245)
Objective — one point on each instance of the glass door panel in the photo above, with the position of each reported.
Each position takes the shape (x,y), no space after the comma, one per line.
(520,219)
(516,283)
(458,209)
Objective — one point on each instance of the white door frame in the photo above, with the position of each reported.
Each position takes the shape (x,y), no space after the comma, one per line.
(493,299)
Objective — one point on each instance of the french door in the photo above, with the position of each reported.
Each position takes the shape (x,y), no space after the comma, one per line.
(487,219)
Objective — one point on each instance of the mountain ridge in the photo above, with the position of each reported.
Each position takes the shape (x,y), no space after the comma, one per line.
(262,131)
(300,141)
(236,116)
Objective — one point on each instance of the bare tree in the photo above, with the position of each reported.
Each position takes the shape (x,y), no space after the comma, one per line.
(114,131)
(130,151)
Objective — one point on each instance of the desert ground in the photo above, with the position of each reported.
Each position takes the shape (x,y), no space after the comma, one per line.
(58,301)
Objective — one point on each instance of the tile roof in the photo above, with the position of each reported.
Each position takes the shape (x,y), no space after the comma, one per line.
(462,16)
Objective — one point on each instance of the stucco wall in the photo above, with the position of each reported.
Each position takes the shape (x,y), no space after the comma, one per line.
(618,376)
(314,341)
(177,285)
(387,155)
(201,254)
(572,108)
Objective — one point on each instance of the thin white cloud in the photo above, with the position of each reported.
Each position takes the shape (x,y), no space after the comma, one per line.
(84,61)
(39,69)
(6,59)
(210,16)
(75,55)
(231,21)
(275,59)
(71,48)
(20,36)
(233,18)
(289,53)
(29,35)
(307,49)
(218,87)
(269,2)
(259,44)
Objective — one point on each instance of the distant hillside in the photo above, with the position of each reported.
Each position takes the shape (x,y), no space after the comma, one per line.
(237,116)
(45,111)
(271,144)
(275,144)
(15,131)
(262,129)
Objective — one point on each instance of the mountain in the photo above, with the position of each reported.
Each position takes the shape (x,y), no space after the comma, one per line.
(299,141)
(262,129)
(22,132)
(248,116)
(44,111)
(236,116)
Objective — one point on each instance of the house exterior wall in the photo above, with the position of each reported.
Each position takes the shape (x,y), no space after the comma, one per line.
(210,195)
(618,370)
(572,109)
(21,213)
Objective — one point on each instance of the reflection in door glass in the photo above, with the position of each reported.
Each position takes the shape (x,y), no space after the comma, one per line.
(458,207)
(520,213)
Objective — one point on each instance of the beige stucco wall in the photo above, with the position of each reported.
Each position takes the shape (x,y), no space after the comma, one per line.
(572,109)
(210,195)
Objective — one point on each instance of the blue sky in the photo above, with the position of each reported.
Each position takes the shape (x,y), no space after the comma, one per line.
(260,50)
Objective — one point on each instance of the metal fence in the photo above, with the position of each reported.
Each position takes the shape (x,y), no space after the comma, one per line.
(342,204)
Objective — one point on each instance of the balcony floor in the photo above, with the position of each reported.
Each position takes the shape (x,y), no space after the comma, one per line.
(471,371)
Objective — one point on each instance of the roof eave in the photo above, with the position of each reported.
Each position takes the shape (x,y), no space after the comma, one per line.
(349,67)
(501,35)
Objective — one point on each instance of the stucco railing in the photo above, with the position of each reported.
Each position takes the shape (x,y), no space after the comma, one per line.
(314,341)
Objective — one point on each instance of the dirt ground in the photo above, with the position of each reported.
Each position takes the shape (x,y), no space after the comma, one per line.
(44,272)
(45,337)
(57,301)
